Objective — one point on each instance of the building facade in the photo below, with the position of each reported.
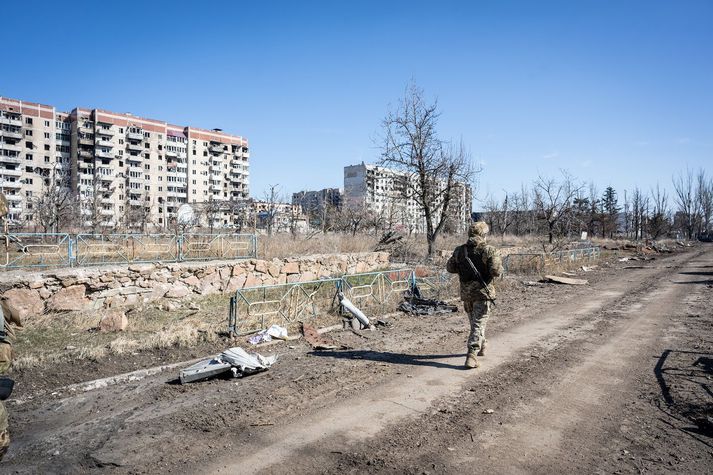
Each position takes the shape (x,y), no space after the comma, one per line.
(389,195)
(126,172)
(319,206)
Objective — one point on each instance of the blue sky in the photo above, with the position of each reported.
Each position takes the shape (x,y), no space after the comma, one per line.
(619,93)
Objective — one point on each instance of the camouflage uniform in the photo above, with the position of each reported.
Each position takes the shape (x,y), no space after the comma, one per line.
(476,299)
(5,360)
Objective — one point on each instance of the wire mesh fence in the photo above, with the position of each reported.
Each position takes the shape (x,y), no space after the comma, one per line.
(38,250)
(532,263)
(29,250)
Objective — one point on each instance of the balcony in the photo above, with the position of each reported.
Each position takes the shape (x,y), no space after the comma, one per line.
(171,153)
(102,154)
(105,178)
(11,184)
(104,142)
(135,136)
(11,135)
(134,158)
(104,132)
(135,147)
(4,159)
(215,187)
(16,121)
(10,147)
(8,172)
(106,212)
(85,141)
(107,201)
(216,148)
(135,202)
(15,209)
(85,154)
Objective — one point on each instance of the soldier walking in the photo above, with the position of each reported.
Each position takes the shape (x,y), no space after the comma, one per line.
(6,384)
(477,265)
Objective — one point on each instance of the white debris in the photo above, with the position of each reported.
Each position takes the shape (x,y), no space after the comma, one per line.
(236,360)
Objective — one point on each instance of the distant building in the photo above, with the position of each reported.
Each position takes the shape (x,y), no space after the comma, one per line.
(388,194)
(125,171)
(317,205)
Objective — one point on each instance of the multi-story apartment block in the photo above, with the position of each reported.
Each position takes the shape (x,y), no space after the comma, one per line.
(388,194)
(125,171)
(317,205)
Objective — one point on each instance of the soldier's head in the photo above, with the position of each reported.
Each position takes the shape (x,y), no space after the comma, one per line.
(478,230)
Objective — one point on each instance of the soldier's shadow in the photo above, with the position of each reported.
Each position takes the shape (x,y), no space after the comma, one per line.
(393,358)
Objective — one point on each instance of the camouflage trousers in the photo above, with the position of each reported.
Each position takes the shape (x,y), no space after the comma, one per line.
(4,433)
(478,312)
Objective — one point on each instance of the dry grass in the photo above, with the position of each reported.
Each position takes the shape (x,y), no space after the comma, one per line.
(55,338)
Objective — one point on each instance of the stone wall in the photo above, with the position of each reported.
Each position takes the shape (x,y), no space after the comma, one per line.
(28,294)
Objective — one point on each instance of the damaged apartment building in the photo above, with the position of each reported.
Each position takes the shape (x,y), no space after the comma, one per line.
(126,172)
(389,195)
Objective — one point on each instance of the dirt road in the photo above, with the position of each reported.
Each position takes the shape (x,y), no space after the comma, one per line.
(613,376)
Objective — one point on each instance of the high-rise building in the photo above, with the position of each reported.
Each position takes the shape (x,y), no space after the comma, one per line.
(318,205)
(125,171)
(389,195)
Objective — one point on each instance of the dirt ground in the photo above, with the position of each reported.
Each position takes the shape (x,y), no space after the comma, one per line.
(614,376)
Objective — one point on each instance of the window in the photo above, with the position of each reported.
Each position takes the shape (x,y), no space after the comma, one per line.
(28,133)
(47,123)
(28,144)
(47,147)
(47,159)
(28,120)
(121,130)
(28,169)
(47,135)
(147,167)
(28,156)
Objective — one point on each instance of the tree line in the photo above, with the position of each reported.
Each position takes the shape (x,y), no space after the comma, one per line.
(562,207)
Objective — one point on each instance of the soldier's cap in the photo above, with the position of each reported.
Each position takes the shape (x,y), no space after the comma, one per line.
(479,228)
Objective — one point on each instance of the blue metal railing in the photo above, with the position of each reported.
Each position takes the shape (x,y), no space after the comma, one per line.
(36,250)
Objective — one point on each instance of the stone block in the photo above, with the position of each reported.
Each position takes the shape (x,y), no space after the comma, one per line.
(69,299)
(113,320)
(192,281)
(291,268)
(178,291)
(22,303)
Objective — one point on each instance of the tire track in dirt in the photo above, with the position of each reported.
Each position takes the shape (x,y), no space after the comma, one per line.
(353,421)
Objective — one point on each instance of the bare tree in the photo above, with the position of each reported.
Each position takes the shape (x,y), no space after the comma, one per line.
(553,201)
(410,144)
(271,199)
(55,208)
(704,202)
(686,201)
(659,224)
(212,210)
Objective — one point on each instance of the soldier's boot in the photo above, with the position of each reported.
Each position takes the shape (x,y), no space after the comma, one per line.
(482,348)
(471,361)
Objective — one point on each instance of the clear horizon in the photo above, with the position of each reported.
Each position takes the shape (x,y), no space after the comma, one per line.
(618,95)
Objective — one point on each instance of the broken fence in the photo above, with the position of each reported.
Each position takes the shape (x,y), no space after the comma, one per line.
(524,263)
(257,308)
(32,250)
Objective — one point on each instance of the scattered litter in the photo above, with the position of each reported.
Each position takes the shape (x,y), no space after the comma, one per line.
(564,280)
(488,411)
(317,341)
(589,268)
(275,331)
(569,274)
(531,283)
(260,337)
(235,360)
